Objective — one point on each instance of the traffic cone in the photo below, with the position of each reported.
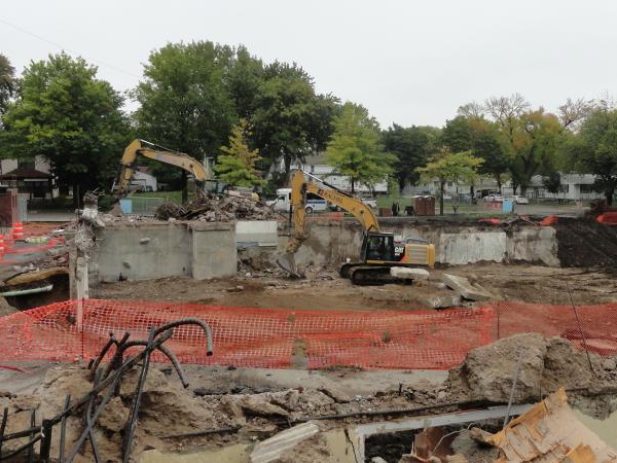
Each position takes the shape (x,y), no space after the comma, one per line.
(18,231)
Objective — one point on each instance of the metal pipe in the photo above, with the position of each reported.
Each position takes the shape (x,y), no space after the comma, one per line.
(67,402)
(24,292)
(5,416)
(132,421)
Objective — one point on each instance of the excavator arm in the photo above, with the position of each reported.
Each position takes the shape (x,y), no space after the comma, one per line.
(143,148)
(300,187)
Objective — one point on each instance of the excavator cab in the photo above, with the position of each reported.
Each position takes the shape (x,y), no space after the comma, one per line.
(378,247)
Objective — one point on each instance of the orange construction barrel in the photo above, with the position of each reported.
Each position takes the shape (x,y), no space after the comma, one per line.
(18,231)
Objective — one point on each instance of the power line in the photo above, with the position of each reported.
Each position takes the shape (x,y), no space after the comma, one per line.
(57,45)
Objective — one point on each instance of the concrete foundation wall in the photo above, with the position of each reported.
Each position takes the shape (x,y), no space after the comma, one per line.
(262,232)
(468,246)
(534,244)
(208,250)
(213,251)
(329,244)
(150,251)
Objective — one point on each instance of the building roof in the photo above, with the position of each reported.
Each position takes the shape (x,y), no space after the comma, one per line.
(22,173)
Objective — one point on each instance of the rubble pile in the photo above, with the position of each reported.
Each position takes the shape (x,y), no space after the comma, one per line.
(207,415)
(225,209)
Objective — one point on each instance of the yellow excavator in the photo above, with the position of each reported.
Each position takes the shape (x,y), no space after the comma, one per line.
(151,151)
(380,251)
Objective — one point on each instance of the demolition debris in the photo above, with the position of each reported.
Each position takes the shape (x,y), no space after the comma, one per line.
(226,209)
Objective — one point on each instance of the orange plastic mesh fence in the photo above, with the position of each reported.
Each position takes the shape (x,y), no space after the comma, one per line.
(591,326)
(303,338)
(254,337)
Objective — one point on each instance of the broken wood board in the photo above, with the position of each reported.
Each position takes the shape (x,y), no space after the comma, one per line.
(549,432)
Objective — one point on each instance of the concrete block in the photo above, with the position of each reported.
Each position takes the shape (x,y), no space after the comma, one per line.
(214,253)
(406,273)
(262,232)
(464,288)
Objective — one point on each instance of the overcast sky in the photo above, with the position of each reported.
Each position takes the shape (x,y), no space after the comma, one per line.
(409,62)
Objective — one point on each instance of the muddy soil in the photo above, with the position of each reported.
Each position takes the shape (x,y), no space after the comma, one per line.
(527,283)
(586,243)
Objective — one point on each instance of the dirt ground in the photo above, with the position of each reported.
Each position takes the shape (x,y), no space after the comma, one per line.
(528,283)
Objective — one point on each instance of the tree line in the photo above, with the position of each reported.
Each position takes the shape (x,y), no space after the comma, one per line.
(221,102)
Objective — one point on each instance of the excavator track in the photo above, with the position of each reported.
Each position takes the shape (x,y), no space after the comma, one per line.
(369,275)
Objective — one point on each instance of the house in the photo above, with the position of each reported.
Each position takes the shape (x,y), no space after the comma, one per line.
(31,179)
(317,166)
(576,187)
(483,186)
(143,180)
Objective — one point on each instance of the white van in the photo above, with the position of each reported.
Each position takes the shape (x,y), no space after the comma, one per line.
(283,202)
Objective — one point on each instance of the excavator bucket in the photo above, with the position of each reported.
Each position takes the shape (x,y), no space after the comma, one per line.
(287,263)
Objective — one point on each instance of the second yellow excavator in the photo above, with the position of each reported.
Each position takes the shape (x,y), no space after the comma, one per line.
(151,151)
(380,251)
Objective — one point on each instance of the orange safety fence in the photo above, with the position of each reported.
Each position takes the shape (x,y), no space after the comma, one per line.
(248,337)
(254,337)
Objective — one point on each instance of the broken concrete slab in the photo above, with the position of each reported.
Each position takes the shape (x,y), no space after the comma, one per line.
(443,301)
(465,288)
(406,273)
(270,449)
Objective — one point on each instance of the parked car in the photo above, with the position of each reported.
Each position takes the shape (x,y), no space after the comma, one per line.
(282,202)
(521,199)
(372,203)
(493,198)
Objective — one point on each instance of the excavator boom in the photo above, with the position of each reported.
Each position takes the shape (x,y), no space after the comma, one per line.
(143,148)
(300,187)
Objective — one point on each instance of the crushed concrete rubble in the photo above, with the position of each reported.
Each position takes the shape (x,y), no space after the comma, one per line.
(210,209)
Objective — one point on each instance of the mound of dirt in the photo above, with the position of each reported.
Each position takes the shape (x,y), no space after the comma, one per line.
(586,243)
(541,365)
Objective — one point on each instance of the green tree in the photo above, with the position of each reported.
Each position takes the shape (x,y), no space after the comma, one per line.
(412,147)
(530,138)
(7,82)
(536,139)
(450,167)
(594,150)
(476,134)
(355,149)
(185,102)
(237,163)
(66,114)
(290,120)
(243,80)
